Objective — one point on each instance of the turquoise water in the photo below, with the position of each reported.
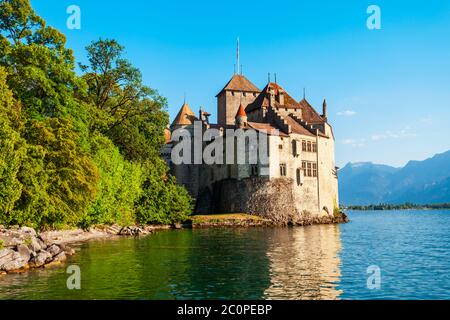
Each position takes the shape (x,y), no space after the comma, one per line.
(411,249)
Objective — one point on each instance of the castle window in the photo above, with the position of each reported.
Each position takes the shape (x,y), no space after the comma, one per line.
(295,148)
(280,146)
(314,147)
(309,146)
(309,169)
(314,169)
(254,170)
(304,146)
(305,173)
(299,176)
(283,169)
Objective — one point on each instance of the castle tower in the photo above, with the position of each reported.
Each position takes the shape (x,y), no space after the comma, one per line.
(241,117)
(185,117)
(239,90)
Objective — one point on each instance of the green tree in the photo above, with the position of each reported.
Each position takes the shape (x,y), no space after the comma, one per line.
(133,116)
(12,151)
(119,187)
(59,179)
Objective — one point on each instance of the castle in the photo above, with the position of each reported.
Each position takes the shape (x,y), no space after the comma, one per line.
(299,181)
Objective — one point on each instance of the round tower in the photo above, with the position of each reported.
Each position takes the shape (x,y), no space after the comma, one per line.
(241,117)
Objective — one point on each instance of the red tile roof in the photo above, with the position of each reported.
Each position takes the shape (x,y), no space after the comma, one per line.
(309,114)
(241,111)
(262,100)
(240,83)
(185,116)
(297,127)
(267,128)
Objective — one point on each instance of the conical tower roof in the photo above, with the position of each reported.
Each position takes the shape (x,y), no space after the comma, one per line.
(241,111)
(185,116)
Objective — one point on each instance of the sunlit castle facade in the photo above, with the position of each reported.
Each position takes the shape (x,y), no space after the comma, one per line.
(298,181)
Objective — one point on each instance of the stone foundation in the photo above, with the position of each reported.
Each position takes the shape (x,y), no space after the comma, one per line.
(270,199)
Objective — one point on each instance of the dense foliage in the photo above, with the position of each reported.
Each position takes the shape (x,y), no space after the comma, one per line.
(78,149)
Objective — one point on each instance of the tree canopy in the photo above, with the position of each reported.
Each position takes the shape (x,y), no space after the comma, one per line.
(78,149)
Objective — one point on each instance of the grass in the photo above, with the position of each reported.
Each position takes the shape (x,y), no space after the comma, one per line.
(2,244)
(217,218)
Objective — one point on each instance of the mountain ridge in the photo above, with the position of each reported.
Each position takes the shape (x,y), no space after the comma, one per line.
(421,182)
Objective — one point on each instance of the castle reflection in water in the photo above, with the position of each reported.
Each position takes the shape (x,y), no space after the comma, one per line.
(304,263)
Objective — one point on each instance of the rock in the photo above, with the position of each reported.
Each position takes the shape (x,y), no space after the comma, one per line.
(60,257)
(40,259)
(131,231)
(54,249)
(35,245)
(6,255)
(15,264)
(41,243)
(24,252)
(29,231)
(69,251)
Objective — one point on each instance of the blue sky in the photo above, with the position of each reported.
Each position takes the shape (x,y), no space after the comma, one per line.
(388,90)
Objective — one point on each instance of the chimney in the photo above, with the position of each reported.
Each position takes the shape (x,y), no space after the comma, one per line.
(281,97)
(271,97)
(324,110)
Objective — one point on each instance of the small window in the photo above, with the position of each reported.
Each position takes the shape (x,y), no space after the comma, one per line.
(309,166)
(295,148)
(299,176)
(304,146)
(283,170)
(314,169)
(314,147)
(280,146)
(254,170)
(309,146)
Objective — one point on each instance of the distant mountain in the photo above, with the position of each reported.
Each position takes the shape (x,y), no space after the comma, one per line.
(418,182)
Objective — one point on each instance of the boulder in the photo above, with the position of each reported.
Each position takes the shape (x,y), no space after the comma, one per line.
(16,263)
(54,249)
(6,255)
(35,245)
(29,231)
(60,257)
(24,252)
(41,258)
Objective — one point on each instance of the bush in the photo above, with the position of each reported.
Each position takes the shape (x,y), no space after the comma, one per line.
(119,186)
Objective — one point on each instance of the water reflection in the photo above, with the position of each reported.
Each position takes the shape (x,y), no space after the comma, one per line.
(255,263)
(304,263)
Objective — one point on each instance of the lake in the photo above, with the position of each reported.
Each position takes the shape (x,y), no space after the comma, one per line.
(410,248)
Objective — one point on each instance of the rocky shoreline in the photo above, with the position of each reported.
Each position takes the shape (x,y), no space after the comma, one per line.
(22,248)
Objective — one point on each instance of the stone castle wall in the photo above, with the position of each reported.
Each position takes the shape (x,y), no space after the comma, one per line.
(272,199)
(228,104)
